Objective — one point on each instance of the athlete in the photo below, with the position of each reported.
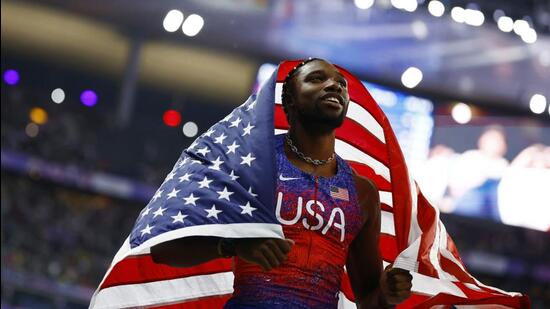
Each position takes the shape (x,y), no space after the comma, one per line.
(330,215)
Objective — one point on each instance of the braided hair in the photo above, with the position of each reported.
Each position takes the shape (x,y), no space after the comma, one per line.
(287,94)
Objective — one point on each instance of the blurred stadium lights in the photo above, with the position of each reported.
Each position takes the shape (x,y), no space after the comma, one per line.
(520,26)
(407,5)
(537,104)
(32,129)
(461,113)
(529,36)
(192,25)
(38,115)
(411,77)
(473,17)
(419,29)
(172,21)
(505,24)
(11,77)
(436,8)
(171,118)
(190,129)
(364,4)
(457,14)
(88,98)
(58,96)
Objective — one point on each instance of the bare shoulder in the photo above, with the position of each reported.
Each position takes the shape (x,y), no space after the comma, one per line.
(366,188)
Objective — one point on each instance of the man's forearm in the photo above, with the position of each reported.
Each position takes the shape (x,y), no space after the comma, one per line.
(186,252)
(374,300)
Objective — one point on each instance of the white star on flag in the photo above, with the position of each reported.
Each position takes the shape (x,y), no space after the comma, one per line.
(173,193)
(205,183)
(203,151)
(224,194)
(209,132)
(157,195)
(219,139)
(191,199)
(231,148)
(233,176)
(170,176)
(216,164)
(252,193)
(213,212)
(185,177)
(179,217)
(159,212)
(247,209)
(251,105)
(147,230)
(247,159)
(146,212)
(236,122)
(246,131)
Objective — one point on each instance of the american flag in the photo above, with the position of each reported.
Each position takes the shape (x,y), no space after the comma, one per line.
(339,193)
(223,185)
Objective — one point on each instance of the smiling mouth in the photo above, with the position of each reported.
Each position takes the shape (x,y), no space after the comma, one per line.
(332,102)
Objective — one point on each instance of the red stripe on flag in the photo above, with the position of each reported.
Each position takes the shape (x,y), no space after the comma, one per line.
(388,247)
(366,171)
(427,221)
(141,269)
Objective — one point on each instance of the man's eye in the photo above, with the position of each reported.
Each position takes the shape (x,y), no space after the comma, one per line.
(343,83)
(316,79)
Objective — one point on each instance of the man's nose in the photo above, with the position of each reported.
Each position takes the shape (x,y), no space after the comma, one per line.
(333,85)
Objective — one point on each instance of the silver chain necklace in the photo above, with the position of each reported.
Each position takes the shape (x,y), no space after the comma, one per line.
(302,156)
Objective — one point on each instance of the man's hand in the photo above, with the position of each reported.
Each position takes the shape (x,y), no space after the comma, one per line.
(265,252)
(395,284)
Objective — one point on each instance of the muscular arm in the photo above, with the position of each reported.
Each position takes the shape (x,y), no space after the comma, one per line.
(364,263)
(186,252)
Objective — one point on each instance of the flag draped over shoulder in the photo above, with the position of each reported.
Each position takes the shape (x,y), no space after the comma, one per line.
(224,185)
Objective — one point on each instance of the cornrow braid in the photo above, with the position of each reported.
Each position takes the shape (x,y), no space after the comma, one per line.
(286,89)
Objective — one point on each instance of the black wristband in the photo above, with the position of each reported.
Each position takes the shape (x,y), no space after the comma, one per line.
(227,247)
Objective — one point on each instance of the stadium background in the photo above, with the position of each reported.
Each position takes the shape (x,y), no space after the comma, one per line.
(99,98)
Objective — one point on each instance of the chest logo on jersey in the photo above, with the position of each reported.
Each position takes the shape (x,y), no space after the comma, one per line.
(336,219)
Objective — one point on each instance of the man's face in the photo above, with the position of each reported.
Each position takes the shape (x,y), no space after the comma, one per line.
(320,95)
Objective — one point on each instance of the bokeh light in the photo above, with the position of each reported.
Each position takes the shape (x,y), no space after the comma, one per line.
(457,14)
(505,24)
(461,113)
(88,98)
(436,8)
(363,4)
(190,129)
(171,118)
(411,77)
(58,96)
(192,25)
(537,104)
(172,21)
(38,115)
(11,77)
(32,129)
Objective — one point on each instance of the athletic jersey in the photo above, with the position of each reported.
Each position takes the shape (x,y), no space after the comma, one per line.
(322,219)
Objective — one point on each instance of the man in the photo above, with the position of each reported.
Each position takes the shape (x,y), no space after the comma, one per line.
(330,215)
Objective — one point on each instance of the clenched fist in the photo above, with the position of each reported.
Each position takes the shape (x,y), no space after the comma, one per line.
(265,252)
(396,284)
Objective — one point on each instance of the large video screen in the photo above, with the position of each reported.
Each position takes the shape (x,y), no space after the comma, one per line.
(492,167)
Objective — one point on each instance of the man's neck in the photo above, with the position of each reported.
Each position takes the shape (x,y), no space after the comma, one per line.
(314,143)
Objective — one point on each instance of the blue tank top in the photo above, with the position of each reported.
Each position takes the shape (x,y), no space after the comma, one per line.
(322,222)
